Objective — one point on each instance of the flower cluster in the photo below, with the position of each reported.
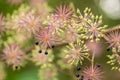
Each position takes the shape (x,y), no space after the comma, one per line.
(78,33)
(13,56)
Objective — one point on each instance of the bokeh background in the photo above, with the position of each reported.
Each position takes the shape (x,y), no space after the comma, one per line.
(109,9)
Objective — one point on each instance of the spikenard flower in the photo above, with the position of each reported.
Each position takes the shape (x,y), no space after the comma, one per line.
(46,38)
(113,38)
(60,18)
(93,73)
(16,2)
(76,52)
(54,23)
(94,29)
(13,56)
(63,12)
(29,22)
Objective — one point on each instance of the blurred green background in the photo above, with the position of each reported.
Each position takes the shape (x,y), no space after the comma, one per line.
(30,72)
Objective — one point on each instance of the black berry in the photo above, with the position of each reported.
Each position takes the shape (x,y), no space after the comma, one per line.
(98,65)
(40,51)
(16,67)
(53,46)
(108,49)
(46,52)
(82,76)
(36,43)
(77,75)
(78,68)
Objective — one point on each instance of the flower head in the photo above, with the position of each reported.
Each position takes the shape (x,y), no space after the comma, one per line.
(94,29)
(76,53)
(60,18)
(63,12)
(113,38)
(13,55)
(46,38)
(92,73)
(29,22)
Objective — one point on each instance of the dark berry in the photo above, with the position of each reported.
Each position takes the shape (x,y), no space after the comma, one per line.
(108,49)
(98,65)
(46,52)
(36,43)
(78,68)
(40,51)
(53,46)
(16,67)
(82,76)
(77,75)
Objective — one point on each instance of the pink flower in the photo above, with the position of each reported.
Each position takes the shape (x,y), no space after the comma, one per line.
(92,73)
(63,12)
(54,23)
(60,18)
(46,38)
(113,38)
(29,22)
(13,55)
(94,28)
